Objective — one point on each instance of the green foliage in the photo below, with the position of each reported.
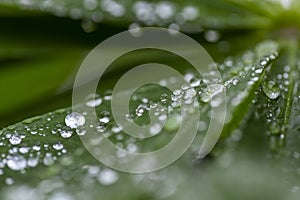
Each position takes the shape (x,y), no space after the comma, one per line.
(256,46)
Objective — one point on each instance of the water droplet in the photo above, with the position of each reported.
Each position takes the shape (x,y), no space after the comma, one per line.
(48,160)
(108,177)
(75,120)
(259,71)
(155,129)
(24,150)
(211,36)
(211,91)
(93,100)
(58,146)
(112,7)
(81,131)
(271,89)
(195,82)
(66,133)
(32,162)
(15,140)
(36,148)
(190,13)
(104,117)
(16,163)
(164,10)
(9,181)
(90,4)
(135,30)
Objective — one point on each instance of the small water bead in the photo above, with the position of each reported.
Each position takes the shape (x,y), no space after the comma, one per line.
(101,128)
(90,4)
(259,71)
(48,159)
(135,30)
(24,150)
(285,75)
(93,100)
(36,148)
(263,62)
(164,10)
(114,8)
(155,129)
(164,98)
(16,163)
(194,82)
(32,162)
(271,89)
(143,10)
(74,120)
(211,91)
(211,36)
(173,29)
(15,140)
(81,130)
(190,93)
(66,133)
(108,177)
(9,181)
(58,146)
(75,13)
(116,129)
(132,148)
(296,155)
(60,196)
(104,117)
(190,13)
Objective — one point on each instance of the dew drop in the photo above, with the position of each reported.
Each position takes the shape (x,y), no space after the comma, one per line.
(9,181)
(211,91)
(108,177)
(81,131)
(48,159)
(155,129)
(15,140)
(24,150)
(211,36)
(32,162)
(75,120)
(90,4)
(58,146)
(190,13)
(104,117)
(66,133)
(16,163)
(93,100)
(271,90)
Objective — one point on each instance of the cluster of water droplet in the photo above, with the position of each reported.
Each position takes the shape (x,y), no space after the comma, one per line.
(277,91)
(91,12)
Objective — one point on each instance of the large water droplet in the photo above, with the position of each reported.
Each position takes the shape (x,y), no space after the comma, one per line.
(16,163)
(271,90)
(15,140)
(75,120)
